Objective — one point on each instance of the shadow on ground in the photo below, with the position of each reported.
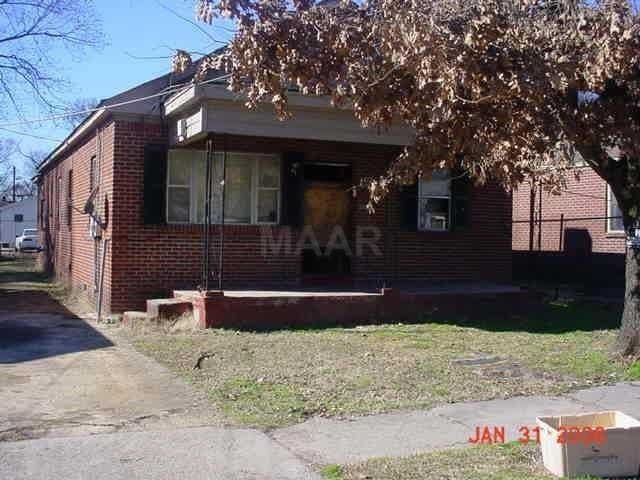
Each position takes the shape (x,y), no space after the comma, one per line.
(33,324)
(541,317)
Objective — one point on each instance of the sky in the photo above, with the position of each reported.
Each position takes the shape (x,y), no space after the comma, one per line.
(134,31)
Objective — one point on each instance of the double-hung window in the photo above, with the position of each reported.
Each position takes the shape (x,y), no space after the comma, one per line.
(434,202)
(252,187)
(185,186)
(614,214)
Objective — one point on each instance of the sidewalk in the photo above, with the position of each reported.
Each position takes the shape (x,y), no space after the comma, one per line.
(327,441)
(289,453)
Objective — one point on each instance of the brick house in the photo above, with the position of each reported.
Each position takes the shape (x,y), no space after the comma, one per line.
(577,236)
(122,201)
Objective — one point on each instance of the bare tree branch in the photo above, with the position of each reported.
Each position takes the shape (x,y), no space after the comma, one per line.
(34,37)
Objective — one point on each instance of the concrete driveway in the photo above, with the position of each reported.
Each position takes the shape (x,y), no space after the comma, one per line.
(61,375)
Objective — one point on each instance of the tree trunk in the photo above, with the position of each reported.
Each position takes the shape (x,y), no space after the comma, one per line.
(628,342)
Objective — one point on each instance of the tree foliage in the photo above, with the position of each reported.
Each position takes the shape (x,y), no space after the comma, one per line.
(503,89)
(489,85)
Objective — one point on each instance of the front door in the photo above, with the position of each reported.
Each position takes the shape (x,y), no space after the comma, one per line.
(327,218)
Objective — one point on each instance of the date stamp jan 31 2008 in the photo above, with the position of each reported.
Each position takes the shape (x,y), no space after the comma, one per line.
(587,435)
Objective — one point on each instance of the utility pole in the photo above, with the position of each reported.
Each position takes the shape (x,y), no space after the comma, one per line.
(14,184)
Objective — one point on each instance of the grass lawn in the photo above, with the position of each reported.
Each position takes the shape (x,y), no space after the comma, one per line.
(279,378)
(510,461)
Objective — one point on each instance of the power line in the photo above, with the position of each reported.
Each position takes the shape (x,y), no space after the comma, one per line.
(16,132)
(107,107)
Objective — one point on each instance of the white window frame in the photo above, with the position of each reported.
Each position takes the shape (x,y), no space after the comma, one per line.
(610,197)
(255,188)
(192,191)
(425,196)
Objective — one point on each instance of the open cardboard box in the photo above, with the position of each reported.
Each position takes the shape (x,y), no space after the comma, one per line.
(617,454)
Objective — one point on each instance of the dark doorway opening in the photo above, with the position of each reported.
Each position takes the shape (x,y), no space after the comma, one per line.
(327,220)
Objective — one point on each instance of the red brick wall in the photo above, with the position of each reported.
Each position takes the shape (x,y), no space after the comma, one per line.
(147,261)
(69,251)
(584,197)
(479,251)
(152,260)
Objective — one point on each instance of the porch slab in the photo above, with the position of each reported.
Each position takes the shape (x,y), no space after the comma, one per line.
(294,308)
(277,293)
(414,288)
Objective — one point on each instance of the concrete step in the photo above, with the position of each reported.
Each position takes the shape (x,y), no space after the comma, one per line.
(167,308)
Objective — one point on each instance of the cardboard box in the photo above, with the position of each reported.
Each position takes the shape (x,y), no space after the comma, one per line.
(614,452)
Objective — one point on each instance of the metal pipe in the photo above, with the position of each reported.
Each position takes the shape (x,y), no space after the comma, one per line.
(222,201)
(204,280)
(532,215)
(105,246)
(561,230)
(540,218)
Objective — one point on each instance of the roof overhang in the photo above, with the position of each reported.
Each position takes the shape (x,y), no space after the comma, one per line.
(202,109)
(78,133)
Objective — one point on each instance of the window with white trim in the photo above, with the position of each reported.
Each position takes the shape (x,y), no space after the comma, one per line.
(434,202)
(614,214)
(252,187)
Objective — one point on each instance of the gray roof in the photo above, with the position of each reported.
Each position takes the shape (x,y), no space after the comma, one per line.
(150,106)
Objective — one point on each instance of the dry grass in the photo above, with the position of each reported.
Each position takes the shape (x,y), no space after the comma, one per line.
(279,378)
(510,461)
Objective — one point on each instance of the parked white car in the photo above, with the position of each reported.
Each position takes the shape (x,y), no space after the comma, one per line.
(28,240)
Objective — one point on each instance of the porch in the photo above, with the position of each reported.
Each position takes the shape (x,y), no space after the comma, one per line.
(325,307)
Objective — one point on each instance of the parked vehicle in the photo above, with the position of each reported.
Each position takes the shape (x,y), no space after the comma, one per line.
(28,240)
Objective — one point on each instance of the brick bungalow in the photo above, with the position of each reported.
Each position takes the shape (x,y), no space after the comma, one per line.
(122,201)
(577,236)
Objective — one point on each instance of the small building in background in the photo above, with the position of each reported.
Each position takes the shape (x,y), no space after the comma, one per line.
(15,217)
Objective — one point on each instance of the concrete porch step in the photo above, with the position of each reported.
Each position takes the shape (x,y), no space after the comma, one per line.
(167,308)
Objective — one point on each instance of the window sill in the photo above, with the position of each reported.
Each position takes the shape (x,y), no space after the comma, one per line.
(615,235)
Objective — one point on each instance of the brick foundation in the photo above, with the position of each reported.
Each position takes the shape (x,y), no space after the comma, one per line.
(215,310)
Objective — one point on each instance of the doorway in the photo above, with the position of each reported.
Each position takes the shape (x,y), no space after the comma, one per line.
(327,220)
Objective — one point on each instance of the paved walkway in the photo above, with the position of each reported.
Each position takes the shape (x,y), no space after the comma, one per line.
(325,441)
(289,453)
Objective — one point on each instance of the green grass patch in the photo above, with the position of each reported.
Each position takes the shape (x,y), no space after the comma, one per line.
(259,403)
(332,472)
(633,372)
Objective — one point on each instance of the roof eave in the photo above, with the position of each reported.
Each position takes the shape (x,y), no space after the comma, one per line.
(73,137)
